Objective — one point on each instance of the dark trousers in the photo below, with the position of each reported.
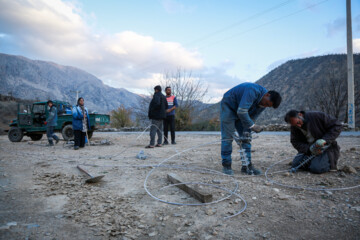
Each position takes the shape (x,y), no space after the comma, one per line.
(169,121)
(319,164)
(79,138)
(50,134)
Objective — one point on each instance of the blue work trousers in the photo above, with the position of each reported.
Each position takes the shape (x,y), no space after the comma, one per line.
(229,122)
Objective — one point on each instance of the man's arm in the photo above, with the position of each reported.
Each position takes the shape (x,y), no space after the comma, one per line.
(76,114)
(299,144)
(333,128)
(174,106)
(246,101)
(51,114)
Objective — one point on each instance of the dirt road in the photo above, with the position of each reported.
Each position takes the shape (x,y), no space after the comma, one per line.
(44,196)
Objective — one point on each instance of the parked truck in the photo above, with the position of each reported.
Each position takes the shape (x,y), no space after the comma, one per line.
(30,121)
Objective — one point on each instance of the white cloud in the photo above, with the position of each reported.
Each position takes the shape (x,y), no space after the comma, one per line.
(356,45)
(56,31)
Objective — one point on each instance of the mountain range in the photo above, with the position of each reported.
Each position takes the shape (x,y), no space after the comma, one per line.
(32,79)
(314,83)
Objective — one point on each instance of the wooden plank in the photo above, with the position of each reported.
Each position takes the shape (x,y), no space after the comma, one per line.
(194,192)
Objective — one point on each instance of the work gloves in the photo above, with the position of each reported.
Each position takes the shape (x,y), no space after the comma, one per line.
(317,148)
(256,128)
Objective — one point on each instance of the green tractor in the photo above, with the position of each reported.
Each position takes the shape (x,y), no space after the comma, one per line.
(30,121)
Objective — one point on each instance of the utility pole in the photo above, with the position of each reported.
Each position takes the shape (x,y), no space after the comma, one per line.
(77,95)
(350,68)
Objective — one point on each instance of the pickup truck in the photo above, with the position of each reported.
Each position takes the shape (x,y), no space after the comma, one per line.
(30,121)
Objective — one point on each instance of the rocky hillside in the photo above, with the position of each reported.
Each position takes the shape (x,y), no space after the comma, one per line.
(315,83)
(31,79)
(312,83)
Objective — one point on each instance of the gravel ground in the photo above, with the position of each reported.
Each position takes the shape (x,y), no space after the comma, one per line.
(44,196)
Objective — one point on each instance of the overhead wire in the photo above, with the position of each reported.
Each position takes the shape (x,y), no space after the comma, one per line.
(246,31)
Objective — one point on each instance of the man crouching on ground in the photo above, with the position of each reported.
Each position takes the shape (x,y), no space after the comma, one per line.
(310,133)
(240,107)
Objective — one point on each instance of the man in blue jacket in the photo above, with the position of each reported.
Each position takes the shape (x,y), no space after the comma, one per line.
(51,123)
(81,123)
(240,107)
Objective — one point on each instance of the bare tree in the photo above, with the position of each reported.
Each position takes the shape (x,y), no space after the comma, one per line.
(190,92)
(331,95)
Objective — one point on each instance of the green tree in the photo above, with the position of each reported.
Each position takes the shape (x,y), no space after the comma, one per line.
(121,117)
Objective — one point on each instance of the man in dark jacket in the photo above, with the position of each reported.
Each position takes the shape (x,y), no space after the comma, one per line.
(310,132)
(51,123)
(157,114)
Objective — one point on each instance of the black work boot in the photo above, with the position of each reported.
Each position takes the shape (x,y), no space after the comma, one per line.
(50,144)
(250,170)
(227,169)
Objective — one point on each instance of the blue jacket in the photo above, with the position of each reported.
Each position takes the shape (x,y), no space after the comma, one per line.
(78,118)
(52,118)
(244,100)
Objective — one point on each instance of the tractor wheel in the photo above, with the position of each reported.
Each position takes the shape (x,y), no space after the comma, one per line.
(36,137)
(68,133)
(15,134)
(90,133)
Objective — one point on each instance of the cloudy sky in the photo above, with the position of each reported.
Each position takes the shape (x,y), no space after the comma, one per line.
(130,44)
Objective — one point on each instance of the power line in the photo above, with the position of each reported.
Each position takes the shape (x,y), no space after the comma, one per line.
(225,29)
(266,23)
(246,31)
(239,22)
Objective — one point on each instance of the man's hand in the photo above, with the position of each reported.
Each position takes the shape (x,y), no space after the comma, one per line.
(45,122)
(256,128)
(168,110)
(317,147)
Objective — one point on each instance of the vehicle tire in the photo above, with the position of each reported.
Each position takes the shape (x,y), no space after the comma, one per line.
(15,134)
(67,132)
(90,133)
(36,137)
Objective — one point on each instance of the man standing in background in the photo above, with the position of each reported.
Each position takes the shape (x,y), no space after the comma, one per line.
(51,123)
(157,114)
(169,121)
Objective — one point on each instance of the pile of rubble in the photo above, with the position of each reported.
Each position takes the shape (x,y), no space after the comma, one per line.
(107,215)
